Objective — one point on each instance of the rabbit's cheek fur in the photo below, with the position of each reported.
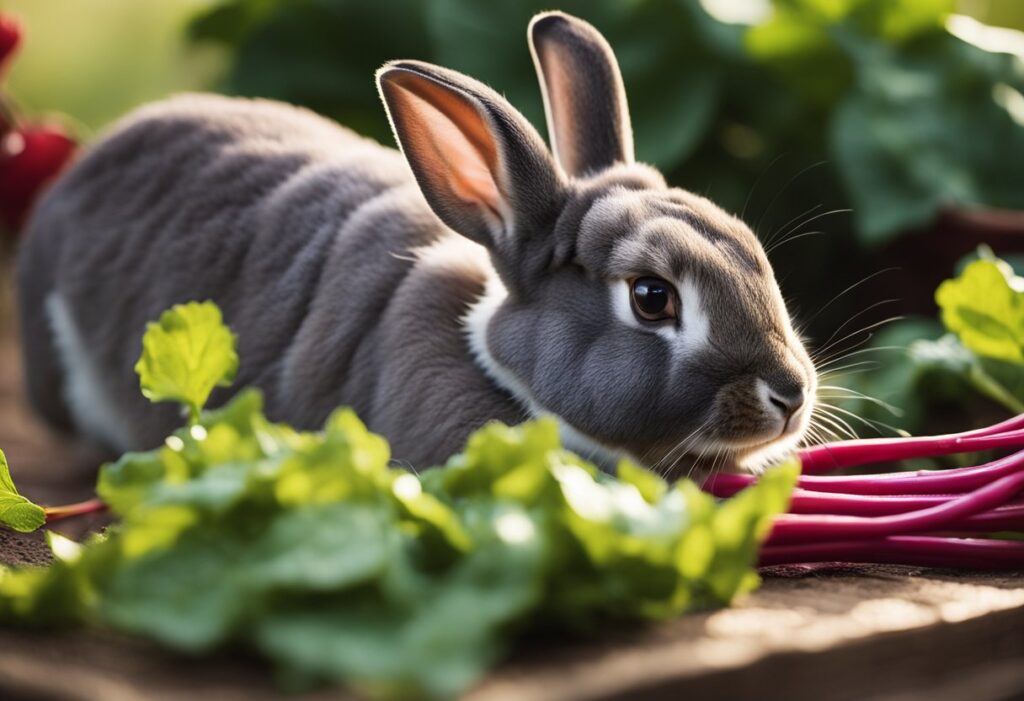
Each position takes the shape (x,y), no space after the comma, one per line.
(477,323)
(620,386)
(615,390)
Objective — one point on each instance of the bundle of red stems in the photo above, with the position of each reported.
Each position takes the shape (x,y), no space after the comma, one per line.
(921,518)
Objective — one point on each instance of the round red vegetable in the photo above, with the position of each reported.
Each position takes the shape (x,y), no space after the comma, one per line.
(30,156)
(10,38)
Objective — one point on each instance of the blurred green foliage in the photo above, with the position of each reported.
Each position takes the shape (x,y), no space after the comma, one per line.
(901,92)
(92,60)
(882,89)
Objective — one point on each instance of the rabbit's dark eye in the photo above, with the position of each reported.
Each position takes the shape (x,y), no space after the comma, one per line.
(653,299)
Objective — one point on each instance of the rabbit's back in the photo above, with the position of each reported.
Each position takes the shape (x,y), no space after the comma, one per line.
(299,229)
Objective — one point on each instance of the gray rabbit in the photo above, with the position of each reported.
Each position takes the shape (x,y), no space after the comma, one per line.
(477,278)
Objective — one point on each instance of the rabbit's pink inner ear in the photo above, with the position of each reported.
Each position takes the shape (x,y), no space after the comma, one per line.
(584,96)
(448,143)
(559,101)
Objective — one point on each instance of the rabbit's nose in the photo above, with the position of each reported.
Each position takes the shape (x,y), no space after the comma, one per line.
(782,397)
(787,403)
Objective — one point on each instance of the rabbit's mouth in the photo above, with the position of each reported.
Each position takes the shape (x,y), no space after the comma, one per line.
(714,454)
(760,453)
(756,458)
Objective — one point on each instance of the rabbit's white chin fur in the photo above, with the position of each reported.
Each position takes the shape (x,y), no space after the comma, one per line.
(760,459)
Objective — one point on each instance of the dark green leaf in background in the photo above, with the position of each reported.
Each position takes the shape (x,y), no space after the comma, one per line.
(910,116)
(931,126)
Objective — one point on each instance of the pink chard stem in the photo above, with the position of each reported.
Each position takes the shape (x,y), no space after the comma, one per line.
(917,551)
(833,456)
(796,528)
(909,518)
(921,482)
(56,513)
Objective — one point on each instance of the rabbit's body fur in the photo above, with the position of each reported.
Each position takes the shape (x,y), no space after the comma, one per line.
(316,244)
(481,277)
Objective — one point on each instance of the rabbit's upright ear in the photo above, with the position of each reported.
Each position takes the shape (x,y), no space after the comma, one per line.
(584,97)
(481,166)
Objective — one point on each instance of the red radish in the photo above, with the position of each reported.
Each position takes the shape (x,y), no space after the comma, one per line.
(30,156)
(10,38)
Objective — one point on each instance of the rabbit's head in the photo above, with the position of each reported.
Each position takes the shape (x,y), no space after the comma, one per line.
(644,317)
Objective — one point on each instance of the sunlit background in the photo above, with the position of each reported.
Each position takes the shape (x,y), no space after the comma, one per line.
(876,142)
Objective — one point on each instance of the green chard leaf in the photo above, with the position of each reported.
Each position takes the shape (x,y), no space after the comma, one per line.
(185,354)
(984,307)
(739,526)
(987,376)
(16,511)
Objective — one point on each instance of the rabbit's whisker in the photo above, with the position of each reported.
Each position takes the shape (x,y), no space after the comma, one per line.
(782,190)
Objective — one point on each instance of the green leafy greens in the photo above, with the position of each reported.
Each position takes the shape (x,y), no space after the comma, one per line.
(311,548)
(185,355)
(984,307)
(16,511)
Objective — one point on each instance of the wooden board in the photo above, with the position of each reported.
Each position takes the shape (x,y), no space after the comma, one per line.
(808,633)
